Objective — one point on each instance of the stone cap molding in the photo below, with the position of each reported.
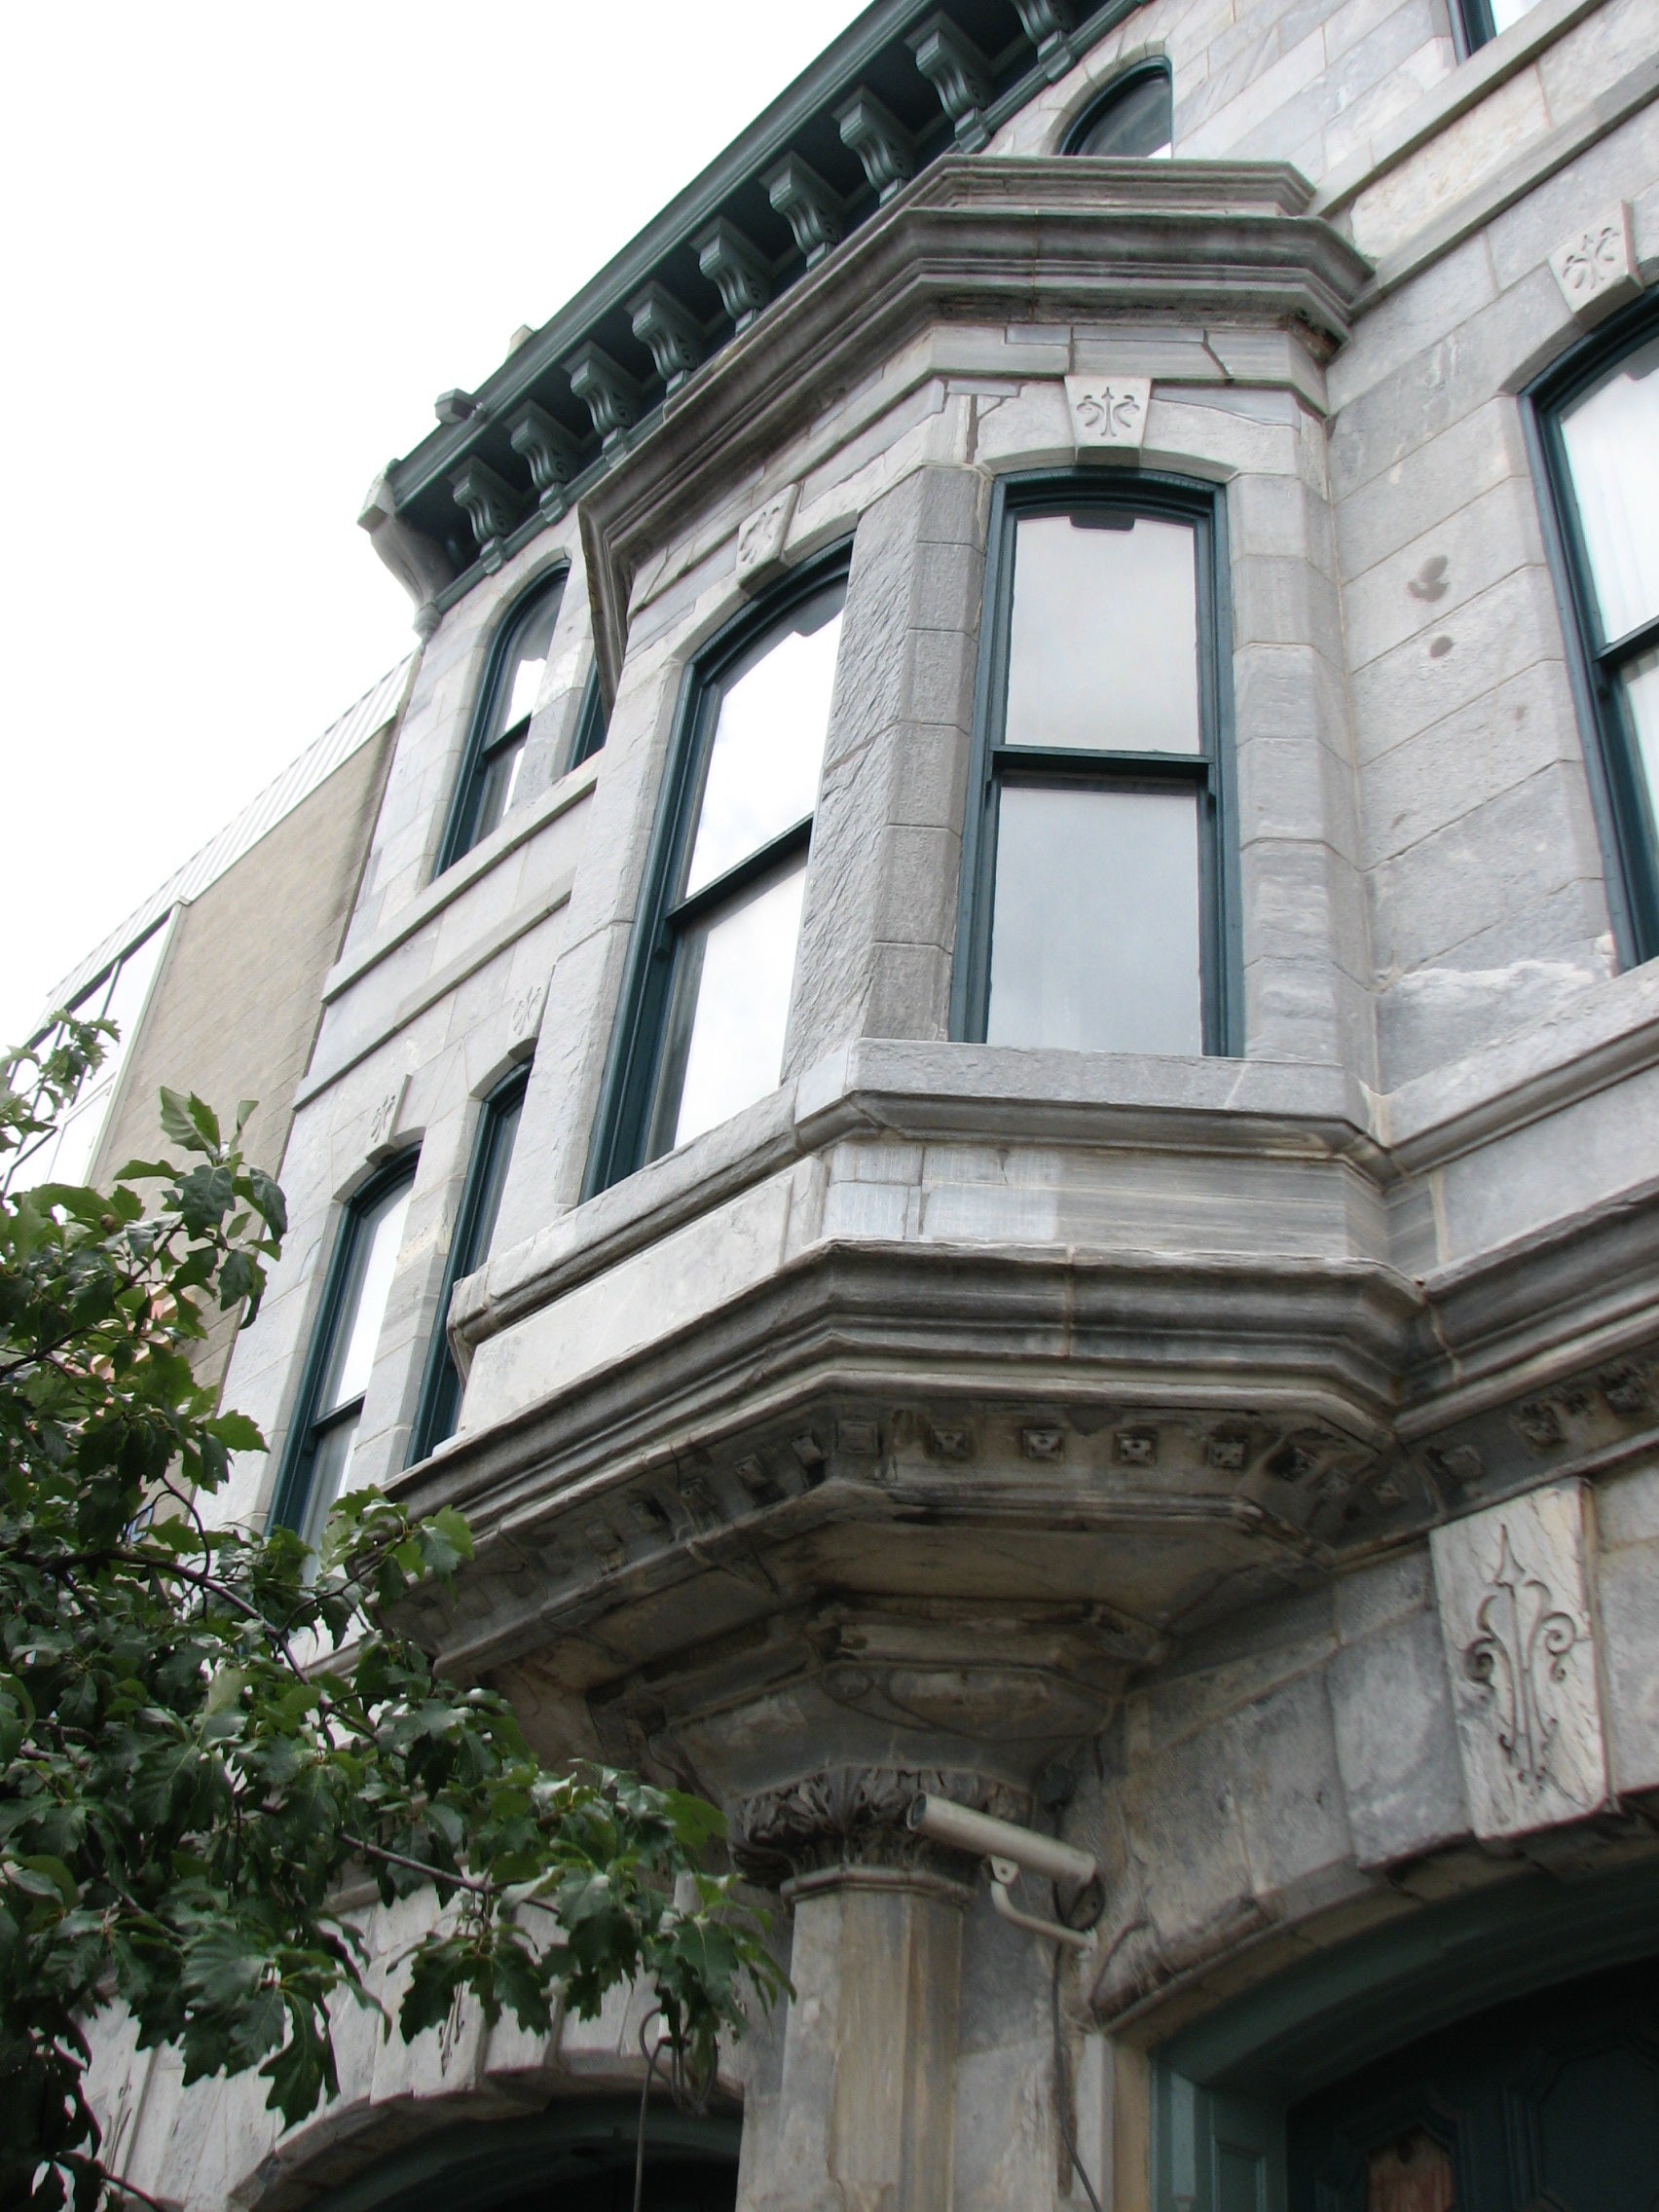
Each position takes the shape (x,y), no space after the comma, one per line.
(1026,239)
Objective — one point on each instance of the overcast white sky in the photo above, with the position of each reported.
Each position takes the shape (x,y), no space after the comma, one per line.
(246,247)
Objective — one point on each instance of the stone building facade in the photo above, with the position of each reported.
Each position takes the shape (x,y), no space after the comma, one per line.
(1004,990)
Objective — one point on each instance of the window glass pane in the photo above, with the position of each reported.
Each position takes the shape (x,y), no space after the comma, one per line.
(725,1046)
(331,1467)
(1612,445)
(1094,939)
(497,780)
(503,1131)
(1640,680)
(769,747)
(120,995)
(1507,12)
(521,680)
(1139,120)
(376,1235)
(1104,651)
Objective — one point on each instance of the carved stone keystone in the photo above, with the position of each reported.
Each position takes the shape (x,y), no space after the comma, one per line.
(761,537)
(1515,1612)
(1595,267)
(383,1122)
(1108,410)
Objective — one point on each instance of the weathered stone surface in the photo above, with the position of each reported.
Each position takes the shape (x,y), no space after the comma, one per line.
(1396,1748)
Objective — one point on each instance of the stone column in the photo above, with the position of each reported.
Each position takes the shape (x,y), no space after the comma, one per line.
(865,2111)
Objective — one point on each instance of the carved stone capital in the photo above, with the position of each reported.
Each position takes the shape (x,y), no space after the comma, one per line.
(855,1816)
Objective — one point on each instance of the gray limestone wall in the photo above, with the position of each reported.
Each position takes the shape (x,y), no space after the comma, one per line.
(1446,1089)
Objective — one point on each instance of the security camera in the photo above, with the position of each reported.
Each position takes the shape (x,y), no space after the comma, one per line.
(1013,1851)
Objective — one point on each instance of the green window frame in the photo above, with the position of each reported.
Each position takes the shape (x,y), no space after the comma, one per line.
(1478,21)
(1203,906)
(490,765)
(334,1381)
(590,723)
(1613,665)
(439,1409)
(642,1092)
(1133,119)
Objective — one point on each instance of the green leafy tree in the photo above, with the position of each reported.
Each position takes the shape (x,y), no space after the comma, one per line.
(207,1734)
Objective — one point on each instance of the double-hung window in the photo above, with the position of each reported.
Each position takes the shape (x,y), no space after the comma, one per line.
(706,1011)
(1601,423)
(475,1228)
(316,1468)
(488,782)
(1096,882)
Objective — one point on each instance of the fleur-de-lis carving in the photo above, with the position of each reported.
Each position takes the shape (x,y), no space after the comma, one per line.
(1108,410)
(1599,253)
(1523,1647)
(1111,412)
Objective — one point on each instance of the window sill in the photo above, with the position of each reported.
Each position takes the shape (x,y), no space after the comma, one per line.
(517,829)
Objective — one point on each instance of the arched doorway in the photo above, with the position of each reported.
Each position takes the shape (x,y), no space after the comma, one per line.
(1325,2045)
(1552,2101)
(575,2157)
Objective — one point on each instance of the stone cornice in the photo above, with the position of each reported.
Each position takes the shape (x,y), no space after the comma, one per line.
(1049,240)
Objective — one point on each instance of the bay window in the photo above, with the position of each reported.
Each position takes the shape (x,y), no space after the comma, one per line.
(1095,878)
(706,1011)
(1599,416)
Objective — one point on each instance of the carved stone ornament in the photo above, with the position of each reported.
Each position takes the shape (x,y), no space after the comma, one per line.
(880,141)
(959,73)
(383,1122)
(852,1815)
(1513,1584)
(525,1020)
(1595,267)
(1108,410)
(737,269)
(814,210)
(760,540)
(606,390)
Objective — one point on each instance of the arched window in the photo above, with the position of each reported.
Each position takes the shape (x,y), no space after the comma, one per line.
(1598,413)
(1134,115)
(707,1009)
(316,1468)
(475,1228)
(488,775)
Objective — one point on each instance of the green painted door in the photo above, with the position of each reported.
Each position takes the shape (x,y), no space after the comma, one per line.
(1548,2103)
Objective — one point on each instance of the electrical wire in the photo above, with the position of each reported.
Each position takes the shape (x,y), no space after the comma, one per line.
(1063,2094)
(651,2058)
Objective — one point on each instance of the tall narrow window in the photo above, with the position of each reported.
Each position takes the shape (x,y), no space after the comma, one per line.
(1096,887)
(319,1464)
(1602,434)
(703,1030)
(475,1232)
(488,782)
(1134,118)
